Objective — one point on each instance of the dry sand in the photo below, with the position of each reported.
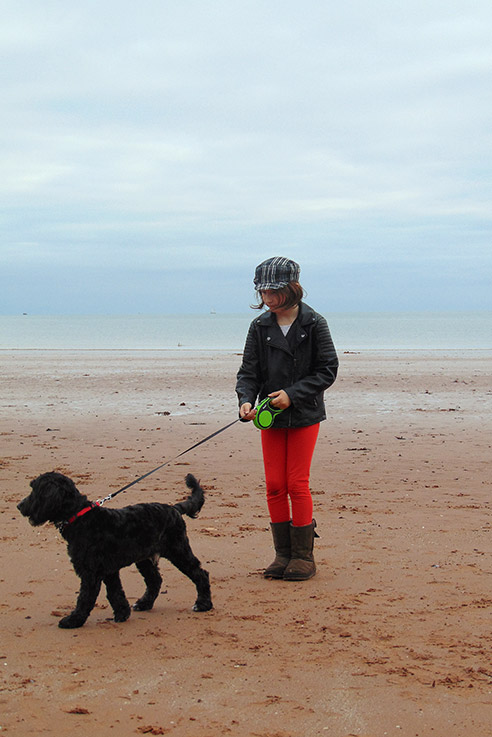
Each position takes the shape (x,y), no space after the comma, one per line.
(391,637)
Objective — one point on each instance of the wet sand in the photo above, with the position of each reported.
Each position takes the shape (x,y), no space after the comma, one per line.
(391,637)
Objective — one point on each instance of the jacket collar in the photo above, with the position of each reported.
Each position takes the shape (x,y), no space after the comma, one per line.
(274,335)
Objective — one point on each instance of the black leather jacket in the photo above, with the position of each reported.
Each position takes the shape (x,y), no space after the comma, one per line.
(303,364)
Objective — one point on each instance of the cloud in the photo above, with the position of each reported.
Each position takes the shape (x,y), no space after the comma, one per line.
(193,136)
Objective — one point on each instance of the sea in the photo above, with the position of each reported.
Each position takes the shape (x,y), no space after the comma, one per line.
(354,331)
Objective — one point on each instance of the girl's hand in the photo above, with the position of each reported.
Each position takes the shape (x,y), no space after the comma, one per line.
(247,412)
(280,399)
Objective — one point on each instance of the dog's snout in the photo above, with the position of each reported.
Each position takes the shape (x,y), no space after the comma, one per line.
(22,507)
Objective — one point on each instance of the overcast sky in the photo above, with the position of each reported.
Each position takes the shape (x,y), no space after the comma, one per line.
(153,153)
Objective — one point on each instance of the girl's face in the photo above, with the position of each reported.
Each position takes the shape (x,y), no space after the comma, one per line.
(271,299)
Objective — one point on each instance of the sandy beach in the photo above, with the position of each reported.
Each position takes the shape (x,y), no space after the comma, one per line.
(391,637)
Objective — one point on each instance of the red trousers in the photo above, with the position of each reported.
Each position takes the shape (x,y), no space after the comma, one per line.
(287,456)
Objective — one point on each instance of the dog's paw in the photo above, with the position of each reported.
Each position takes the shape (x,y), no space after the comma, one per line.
(143,606)
(122,615)
(202,606)
(71,622)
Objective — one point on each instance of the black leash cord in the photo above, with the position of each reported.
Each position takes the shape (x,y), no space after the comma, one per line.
(200,442)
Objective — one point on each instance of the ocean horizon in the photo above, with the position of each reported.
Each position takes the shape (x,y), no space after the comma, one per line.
(214,331)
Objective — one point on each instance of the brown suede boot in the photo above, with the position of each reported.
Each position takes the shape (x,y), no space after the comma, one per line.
(281,543)
(302,565)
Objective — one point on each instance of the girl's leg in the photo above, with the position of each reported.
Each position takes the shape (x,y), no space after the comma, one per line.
(274,445)
(301,442)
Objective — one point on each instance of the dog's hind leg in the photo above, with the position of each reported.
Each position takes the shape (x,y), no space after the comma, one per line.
(183,558)
(116,597)
(152,577)
(89,591)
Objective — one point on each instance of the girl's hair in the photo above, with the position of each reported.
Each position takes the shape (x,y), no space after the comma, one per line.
(290,296)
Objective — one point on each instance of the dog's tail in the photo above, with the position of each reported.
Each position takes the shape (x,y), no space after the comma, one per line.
(192,505)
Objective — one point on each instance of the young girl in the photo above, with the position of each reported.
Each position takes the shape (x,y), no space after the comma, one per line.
(288,356)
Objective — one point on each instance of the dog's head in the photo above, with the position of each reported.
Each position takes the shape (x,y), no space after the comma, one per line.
(52,499)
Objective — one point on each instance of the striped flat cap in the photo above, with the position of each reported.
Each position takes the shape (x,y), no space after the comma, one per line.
(275,273)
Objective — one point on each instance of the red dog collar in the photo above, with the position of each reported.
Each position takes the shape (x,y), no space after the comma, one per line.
(81,513)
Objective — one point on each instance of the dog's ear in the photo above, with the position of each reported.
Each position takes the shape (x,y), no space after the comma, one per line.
(67,485)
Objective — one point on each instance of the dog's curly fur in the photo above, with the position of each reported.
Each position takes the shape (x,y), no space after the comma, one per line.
(102,541)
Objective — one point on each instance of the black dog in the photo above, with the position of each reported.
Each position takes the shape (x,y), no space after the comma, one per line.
(101,541)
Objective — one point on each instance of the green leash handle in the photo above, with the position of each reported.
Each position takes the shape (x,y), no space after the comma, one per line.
(265,414)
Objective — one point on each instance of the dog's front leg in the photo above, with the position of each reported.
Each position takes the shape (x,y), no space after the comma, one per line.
(89,591)
(116,597)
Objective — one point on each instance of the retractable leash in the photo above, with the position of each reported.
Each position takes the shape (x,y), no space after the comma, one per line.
(264,418)
(108,498)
